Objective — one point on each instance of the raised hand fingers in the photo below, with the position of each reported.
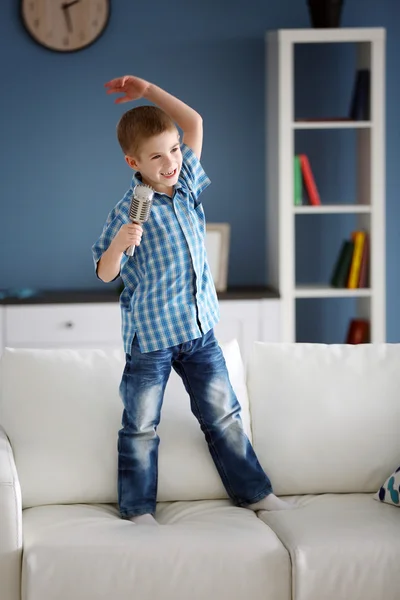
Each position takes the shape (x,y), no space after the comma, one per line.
(117,82)
(118,86)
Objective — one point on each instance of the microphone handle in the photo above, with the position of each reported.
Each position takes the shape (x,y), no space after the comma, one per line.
(131,250)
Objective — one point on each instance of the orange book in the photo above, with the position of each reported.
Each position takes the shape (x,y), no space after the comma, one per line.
(309,181)
(363,282)
(358,238)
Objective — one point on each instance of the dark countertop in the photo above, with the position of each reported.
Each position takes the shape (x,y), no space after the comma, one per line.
(84,296)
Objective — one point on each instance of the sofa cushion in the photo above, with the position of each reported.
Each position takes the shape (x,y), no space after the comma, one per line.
(202,550)
(61,410)
(389,492)
(325,418)
(342,547)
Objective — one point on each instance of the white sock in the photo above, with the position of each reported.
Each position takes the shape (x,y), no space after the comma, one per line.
(271,502)
(146,519)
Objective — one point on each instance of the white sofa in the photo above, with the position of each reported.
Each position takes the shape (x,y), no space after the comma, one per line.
(325,423)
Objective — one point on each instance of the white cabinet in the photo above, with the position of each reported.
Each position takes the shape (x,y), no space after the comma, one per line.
(93,325)
(2,316)
(248,321)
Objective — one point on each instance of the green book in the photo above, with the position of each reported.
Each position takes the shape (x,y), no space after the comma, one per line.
(341,270)
(298,182)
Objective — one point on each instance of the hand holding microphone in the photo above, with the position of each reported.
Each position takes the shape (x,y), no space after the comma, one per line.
(128,235)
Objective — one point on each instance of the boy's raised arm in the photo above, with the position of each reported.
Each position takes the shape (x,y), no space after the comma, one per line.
(184,116)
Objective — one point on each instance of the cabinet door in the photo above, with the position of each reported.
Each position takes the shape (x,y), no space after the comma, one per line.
(271,325)
(240,319)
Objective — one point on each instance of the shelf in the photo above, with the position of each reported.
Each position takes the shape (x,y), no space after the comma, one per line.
(100,296)
(325,291)
(331,124)
(333,209)
(328,35)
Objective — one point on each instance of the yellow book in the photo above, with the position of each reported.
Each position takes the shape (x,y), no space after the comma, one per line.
(358,238)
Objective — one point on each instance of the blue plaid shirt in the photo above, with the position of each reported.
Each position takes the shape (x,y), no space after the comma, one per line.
(169,296)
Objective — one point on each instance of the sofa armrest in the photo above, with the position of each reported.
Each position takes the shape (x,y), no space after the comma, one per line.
(10,523)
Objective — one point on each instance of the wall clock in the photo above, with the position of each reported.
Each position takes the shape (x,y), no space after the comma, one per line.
(65,25)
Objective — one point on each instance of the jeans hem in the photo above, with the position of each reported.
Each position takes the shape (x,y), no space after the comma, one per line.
(257,498)
(137,513)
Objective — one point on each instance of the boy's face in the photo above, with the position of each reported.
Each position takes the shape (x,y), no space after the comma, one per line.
(159,161)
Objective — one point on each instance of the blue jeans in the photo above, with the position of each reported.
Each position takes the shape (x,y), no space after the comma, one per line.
(201,365)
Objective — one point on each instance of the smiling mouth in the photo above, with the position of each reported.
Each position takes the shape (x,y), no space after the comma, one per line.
(169,174)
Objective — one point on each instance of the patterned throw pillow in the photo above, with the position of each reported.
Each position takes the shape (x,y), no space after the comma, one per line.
(390,491)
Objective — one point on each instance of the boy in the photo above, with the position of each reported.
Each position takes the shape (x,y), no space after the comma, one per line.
(169,306)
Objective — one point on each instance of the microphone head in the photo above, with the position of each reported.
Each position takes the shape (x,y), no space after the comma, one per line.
(141,203)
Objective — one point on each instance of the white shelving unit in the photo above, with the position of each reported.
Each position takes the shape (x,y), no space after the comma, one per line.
(369,204)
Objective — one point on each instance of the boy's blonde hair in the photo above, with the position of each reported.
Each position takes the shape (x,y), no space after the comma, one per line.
(139,124)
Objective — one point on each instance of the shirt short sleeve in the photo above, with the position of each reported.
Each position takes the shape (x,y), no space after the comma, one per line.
(192,173)
(110,229)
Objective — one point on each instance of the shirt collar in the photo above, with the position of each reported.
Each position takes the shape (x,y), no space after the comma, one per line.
(137,179)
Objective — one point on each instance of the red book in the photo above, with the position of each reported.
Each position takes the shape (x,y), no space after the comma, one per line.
(309,181)
(358,332)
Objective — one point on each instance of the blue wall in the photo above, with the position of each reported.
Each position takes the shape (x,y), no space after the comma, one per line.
(62,170)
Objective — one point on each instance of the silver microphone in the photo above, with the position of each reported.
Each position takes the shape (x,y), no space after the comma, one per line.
(139,210)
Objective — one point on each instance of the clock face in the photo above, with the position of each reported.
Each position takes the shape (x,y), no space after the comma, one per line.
(65,25)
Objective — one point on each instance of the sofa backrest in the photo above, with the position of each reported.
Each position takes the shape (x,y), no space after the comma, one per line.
(325,418)
(61,411)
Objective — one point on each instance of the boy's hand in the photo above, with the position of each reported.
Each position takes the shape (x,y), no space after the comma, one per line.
(132,87)
(128,235)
